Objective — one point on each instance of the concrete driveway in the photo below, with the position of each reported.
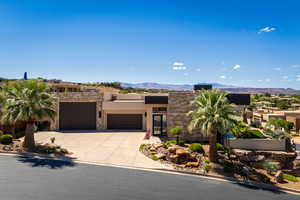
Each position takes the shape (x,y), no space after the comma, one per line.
(112,148)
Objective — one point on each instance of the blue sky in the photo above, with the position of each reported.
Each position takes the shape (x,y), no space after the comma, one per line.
(245,43)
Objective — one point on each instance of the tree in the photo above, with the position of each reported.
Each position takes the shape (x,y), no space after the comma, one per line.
(177,131)
(30,102)
(279,124)
(283,105)
(212,113)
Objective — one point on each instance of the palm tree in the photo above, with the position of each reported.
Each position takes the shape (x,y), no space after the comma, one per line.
(213,113)
(28,101)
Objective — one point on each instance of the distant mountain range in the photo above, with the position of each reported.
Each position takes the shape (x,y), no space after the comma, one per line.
(229,88)
(149,85)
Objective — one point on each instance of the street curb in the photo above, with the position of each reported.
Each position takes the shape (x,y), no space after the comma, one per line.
(162,170)
(235,180)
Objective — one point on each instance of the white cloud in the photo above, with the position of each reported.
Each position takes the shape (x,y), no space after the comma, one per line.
(277,68)
(285,77)
(186,74)
(235,67)
(298,76)
(267,80)
(260,80)
(295,66)
(223,77)
(179,66)
(198,70)
(298,79)
(266,30)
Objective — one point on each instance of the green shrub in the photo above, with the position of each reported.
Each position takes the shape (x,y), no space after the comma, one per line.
(180,143)
(290,177)
(206,161)
(177,132)
(19,134)
(6,139)
(142,147)
(219,147)
(270,166)
(253,134)
(228,150)
(155,158)
(169,143)
(206,167)
(196,147)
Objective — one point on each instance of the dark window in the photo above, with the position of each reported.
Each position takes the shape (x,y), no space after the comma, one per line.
(156,99)
(239,99)
(202,87)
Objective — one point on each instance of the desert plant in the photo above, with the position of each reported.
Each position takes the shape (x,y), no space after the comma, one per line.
(270,166)
(206,167)
(154,157)
(213,114)
(142,147)
(177,132)
(228,151)
(6,139)
(277,134)
(290,177)
(220,147)
(196,147)
(242,130)
(280,124)
(28,101)
(169,143)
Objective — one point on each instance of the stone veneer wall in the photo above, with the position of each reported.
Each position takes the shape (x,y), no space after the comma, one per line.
(178,106)
(92,96)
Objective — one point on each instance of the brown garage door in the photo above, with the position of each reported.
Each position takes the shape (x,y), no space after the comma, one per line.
(125,121)
(77,115)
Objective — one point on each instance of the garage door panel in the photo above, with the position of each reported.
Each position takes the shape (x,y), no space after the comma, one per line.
(77,115)
(125,121)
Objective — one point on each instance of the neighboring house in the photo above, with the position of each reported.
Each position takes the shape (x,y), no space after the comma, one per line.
(262,116)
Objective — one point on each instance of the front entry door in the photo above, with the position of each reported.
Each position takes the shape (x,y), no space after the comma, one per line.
(159,124)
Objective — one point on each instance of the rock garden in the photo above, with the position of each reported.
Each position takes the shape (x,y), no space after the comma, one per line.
(10,145)
(270,167)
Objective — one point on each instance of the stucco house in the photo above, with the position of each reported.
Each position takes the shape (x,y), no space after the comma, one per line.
(102,108)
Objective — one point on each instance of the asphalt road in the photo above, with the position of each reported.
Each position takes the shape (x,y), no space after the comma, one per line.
(23,178)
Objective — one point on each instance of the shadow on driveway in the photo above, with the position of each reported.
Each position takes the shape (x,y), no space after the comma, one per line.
(46,161)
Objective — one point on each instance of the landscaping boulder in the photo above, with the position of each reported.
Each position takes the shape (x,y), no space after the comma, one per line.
(156,146)
(192,164)
(182,152)
(161,156)
(173,148)
(296,164)
(152,148)
(278,177)
(284,158)
(173,158)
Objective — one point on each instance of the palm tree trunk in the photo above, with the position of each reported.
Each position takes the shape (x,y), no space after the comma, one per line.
(29,142)
(212,155)
(244,114)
